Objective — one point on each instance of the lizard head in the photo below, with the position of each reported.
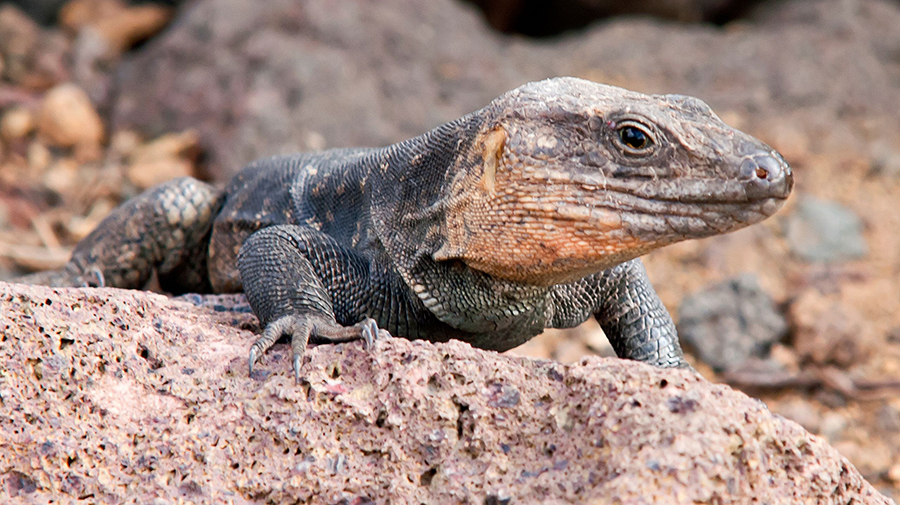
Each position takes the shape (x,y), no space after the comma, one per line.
(568,177)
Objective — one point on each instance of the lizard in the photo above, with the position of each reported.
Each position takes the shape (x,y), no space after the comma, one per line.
(530,213)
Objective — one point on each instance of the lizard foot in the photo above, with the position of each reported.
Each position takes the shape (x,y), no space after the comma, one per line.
(304,328)
(66,277)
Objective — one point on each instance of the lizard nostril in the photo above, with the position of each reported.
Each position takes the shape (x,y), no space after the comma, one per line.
(766,175)
(762,166)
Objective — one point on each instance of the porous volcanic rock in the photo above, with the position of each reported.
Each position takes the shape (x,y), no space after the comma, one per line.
(112,395)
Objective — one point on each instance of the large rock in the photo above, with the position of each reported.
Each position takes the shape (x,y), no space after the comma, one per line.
(259,78)
(112,394)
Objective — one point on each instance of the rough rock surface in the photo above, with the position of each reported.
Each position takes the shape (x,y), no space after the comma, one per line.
(107,394)
(259,78)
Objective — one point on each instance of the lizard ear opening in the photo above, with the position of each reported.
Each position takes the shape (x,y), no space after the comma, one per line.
(493,144)
(490,147)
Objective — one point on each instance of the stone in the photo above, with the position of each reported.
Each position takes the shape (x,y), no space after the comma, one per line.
(4,214)
(39,157)
(826,331)
(150,173)
(888,418)
(16,123)
(316,78)
(61,177)
(33,58)
(67,118)
(121,395)
(801,411)
(894,473)
(886,160)
(119,24)
(162,159)
(833,426)
(77,14)
(893,335)
(730,322)
(785,357)
(825,231)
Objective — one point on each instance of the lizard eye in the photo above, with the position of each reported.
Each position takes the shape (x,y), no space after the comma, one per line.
(635,138)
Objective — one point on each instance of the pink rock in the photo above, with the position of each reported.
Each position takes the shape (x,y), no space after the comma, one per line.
(129,395)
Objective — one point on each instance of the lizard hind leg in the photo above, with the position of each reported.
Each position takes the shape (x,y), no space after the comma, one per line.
(165,228)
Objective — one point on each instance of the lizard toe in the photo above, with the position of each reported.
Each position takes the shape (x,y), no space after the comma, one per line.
(297,327)
(92,278)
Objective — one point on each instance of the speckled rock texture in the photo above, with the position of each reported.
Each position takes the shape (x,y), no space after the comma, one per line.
(111,395)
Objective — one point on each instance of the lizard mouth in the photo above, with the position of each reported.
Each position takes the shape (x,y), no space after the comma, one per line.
(667,209)
(757,187)
(759,180)
(669,219)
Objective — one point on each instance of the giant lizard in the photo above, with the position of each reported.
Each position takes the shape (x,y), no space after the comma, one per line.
(528,214)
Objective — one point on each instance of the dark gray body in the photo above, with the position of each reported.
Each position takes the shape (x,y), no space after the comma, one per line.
(324,197)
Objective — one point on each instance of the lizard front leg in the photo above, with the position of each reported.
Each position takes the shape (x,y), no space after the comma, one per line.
(628,309)
(303,284)
(635,320)
(165,228)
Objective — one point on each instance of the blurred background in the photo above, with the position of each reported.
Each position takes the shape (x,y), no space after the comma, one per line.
(100,99)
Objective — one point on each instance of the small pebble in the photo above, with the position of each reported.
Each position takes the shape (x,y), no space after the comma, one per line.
(16,123)
(832,426)
(801,412)
(67,118)
(731,322)
(893,473)
(39,157)
(826,331)
(825,231)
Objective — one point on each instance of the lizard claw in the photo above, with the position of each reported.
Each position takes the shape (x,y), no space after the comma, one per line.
(297,362)
(92,278)
(369,332)
(254,355)
(97,275)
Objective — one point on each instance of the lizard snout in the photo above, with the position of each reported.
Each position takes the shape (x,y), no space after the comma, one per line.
(766,175)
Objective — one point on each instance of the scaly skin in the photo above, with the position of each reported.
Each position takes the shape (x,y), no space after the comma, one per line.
(525,215)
